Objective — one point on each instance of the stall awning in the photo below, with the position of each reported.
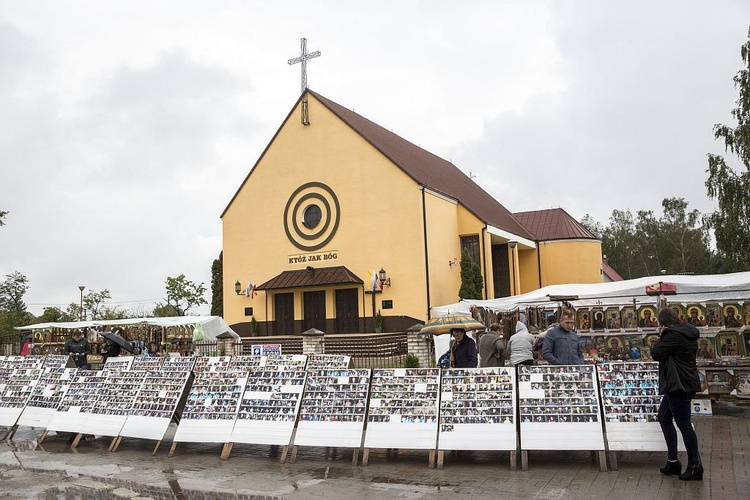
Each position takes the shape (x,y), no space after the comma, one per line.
(312,276)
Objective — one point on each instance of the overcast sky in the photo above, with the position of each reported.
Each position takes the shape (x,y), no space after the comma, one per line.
(126,127)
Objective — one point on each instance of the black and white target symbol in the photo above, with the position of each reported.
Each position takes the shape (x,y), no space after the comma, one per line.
(311,216)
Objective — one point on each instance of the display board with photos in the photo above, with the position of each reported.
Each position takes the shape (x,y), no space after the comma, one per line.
(328,362)
(477,409)
(182,364)
(211,406)
(79,401)
(269,405)
(58,361)
(17,386)
(630,398)
(244,363)
(403,410)
(333,408)
(118,363)
(114,402)
(559,408)
(148,364)
(287,360)
(54,382)
(211,364)
(156,402)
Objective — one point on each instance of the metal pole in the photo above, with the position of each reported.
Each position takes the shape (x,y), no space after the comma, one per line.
(81,288)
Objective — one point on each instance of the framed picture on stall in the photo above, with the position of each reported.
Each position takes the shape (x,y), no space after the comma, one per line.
(696,315)
(612,315)
(728,344)
(647,317)
(679,311)
(597,318)
(746,313)
(706,348)
(719,381)
(733,316)
(742,384)
(583,319)
(714,315)
(629,320)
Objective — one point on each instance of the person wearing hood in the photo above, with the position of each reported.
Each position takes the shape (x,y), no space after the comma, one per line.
(521,346)
(678,382)
(492,347)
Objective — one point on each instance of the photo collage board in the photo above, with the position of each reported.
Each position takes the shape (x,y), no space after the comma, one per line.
(477,409)
(48,392)
(158,398)
(18,376)
(79,401)
(559,408)
(403,410)
(211,407)
(270,401)
(630,399)
(334,407)
(328,361)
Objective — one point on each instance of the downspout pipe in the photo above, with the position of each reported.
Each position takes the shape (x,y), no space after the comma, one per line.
(426,251)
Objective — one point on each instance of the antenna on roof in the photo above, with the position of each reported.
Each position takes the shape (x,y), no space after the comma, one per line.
(472,176)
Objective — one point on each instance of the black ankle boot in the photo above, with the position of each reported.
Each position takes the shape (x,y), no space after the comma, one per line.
(694,473)
(672,468)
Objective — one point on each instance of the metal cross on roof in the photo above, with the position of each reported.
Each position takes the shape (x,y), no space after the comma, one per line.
(303,58)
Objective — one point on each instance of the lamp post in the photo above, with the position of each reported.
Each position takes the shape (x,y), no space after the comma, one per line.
(81,288)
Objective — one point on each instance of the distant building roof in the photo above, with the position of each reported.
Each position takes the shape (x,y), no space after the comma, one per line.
(320,276)
(429,170)
(553,224)
(609,273)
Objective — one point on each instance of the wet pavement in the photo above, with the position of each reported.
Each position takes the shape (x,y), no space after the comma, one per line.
(53,471)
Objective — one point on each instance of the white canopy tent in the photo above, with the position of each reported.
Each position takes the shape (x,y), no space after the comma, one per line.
(214,327)
(690,289)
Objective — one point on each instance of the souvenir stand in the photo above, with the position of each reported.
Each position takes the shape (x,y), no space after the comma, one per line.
(211,407)
(160,398)
(630,398)
(48,392)
(270,403)
(333,410)
(18,376)
(403,411)
(77,404)
(477,411)
(559,410)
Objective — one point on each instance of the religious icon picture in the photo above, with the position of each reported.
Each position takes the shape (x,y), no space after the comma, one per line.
(696,315)
(728,344)
(746,313)
(719,381)
(650,340)
(706,348)
(597,319)
(583,319)
(703,381)
(612,315)
(629,320)
(733,316)
(714,315)
(647,317)
(615,348)
(742,384)
(679,311)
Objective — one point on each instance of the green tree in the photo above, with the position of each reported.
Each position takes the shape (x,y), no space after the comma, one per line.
(731,221)
(164,311)
(12,306)
(619,242)
(93,301)
(471,278)
(595,227)
(183,294)
(55,315)
(217,286)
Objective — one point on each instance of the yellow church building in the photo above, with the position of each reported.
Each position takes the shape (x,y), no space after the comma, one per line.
(337,205)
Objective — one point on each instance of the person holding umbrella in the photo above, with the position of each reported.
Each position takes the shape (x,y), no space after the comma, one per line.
(463,349)
(79,348)
(110,349)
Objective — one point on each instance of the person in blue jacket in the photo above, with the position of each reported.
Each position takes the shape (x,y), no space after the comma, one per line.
(463,349)
(561,343)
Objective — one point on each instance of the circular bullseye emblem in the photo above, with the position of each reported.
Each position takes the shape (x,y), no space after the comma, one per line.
(311,216)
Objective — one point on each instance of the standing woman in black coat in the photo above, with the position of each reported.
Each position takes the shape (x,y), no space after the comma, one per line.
(678,382)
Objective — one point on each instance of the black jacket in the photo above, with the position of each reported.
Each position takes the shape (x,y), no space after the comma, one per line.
(675,351)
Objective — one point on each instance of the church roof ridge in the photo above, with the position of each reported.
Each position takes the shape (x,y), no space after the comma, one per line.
(553,224)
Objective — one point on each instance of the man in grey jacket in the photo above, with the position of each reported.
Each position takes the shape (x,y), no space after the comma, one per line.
(561,346)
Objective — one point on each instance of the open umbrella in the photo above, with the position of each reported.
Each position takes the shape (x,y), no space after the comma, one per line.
(117,340)
(444,324)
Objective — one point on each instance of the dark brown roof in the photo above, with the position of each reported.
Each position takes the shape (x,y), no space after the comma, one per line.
(318,276)
(429,170)
(553,224)
(610,272)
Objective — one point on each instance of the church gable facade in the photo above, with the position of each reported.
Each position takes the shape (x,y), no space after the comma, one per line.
(334,201)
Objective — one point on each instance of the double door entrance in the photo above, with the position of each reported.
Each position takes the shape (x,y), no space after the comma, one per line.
(314,312)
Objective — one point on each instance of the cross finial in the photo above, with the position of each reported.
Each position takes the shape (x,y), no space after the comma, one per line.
(303,58)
